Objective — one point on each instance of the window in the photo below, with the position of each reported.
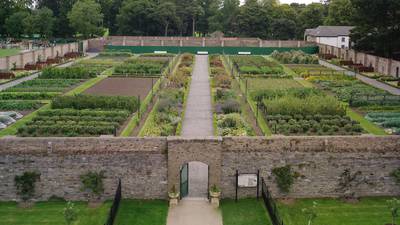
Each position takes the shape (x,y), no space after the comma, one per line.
(343,46)
(343,39)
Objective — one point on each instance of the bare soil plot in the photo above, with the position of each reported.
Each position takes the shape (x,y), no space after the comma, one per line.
(122,87)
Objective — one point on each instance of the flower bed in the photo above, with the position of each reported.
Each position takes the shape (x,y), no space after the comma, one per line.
(295,57)
(257,65)
(166,116)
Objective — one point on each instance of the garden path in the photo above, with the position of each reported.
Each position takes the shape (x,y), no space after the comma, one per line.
(194,212)
(198,121)
(367,80)
(35,75)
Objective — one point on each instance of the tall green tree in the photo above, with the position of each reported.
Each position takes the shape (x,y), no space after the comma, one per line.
(340,13)
(312,16)
(86,18)
(15,25)
(165,13)
(377,26)
(40,21)
(60,9)
(253,20)
(135,17)
(283,29)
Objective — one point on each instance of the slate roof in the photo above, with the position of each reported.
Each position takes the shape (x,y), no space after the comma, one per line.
(329,31)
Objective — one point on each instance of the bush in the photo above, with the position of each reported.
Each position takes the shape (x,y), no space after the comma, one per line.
(93,182)
(284,178)
(230,106)
(222,81)
(25,184)
(233,125)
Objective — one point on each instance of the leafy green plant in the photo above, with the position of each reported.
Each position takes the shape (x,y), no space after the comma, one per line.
(70,213)
(311,213)
(93,182)
(25,184)
(284,177)
(396,175)
(215,189)
(394,207)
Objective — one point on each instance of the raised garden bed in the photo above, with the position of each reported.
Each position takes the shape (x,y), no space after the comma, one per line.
(142,67)
(257,66)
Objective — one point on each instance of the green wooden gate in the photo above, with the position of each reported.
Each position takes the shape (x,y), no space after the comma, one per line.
(184,186)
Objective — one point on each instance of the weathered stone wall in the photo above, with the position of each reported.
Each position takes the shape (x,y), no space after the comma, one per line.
(318,160)
(149,167)
(140,163)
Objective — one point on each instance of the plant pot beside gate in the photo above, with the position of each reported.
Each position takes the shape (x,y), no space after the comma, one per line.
(215,195)
(173,197)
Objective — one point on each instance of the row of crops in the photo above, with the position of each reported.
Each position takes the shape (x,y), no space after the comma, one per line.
(166,117)
(81,115)
(229,120)
(143,66)
(257,66)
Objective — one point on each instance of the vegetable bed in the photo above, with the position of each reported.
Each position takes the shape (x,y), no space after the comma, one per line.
(142,67)
(257,65)
(295,57)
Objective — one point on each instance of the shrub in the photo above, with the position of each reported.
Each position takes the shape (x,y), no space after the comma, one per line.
(233,125)
(284,178)
(230,106)
(25,184)
(93,182)
(396,175)
(222,81)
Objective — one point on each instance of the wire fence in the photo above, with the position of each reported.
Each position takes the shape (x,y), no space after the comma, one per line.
(114,208)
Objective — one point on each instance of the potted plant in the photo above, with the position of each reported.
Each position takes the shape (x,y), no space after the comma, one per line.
(173,196)
(215,194)
(25,185)
(93,185)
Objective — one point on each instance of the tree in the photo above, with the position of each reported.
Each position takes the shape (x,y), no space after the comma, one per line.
(86,18)
(25,184)
(15,25)
(253,20)
(377,26)
(60,10)
(135,18)
(195,11)
(40,21)
(312,16)
(165,13)
(283,29)
(340,13)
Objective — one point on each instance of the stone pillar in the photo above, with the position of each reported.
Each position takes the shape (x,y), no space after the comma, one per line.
(62,50)
(21,60)
(298,44)
(181,43)
(260,44)
(279,43)
(7,62)
(162,42)
(389,67)
(376,66)
(34,56)
(52,52)
(203,42)
(141,42)
(44,54)
(69,47)
(124,41)
(222,43)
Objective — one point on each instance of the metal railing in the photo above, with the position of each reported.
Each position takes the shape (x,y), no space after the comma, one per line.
(114,208)
(270,205)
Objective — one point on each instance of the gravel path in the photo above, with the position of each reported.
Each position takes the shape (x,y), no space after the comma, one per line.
(194,212)
(198,121)
(367,80)
(35,75)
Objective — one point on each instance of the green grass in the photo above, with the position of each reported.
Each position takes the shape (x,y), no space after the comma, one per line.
(369,211)
(254,84)
(244,212)
(286,69)
(141,212)
(367,125)
(50,213)
(9,52)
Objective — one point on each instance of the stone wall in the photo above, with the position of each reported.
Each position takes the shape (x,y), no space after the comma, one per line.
(149,167)
(140,163)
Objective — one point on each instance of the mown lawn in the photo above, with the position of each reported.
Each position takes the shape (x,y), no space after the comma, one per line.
(9,52)
(244,212)
(142,212)
(51,213)
(369,211)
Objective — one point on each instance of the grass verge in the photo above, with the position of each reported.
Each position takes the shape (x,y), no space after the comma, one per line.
(368,211)
(141,212)
(244,212)
(9,52)
(365,124)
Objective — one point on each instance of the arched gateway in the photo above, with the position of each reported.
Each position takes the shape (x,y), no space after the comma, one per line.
(192,168)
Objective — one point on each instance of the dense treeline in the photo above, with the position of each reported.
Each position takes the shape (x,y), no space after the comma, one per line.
(377,22)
